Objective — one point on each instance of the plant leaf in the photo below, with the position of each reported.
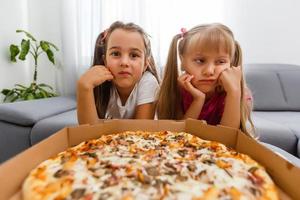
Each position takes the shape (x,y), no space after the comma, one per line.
(21,86)
(5,91)
(50,56)
(45,46)
(30,96)
(51,44)
(14,51)
(49,94)
(44,94)
(20,90)
(8,95)
(25,45)
(27,34)
(15,98)
(45,85)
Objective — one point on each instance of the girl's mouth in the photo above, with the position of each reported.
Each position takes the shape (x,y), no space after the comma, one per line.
(207,81)
(124,73)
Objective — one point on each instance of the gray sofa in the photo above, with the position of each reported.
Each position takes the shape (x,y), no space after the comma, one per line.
(276,113)
(23,124)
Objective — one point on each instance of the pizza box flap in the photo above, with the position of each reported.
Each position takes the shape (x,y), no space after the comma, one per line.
(225,135)
(284,173)
(14,171)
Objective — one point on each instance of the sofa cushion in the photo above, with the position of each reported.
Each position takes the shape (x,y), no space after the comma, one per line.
(290,81)
(46,127)
(282,117)
(27,113)
(274,86)
(275,133)
(13,140)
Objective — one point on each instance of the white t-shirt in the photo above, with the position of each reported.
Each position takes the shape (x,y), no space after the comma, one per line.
(144,92)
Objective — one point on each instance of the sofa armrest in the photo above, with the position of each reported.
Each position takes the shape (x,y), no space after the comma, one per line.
(27,113)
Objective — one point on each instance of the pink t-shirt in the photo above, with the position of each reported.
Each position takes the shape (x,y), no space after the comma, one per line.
(213,108)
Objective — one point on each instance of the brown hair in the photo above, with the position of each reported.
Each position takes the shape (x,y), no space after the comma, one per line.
(102,92)
(216,36)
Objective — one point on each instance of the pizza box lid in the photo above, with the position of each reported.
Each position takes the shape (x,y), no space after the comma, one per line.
(14,171)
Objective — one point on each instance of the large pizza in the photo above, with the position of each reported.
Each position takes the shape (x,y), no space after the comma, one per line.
(149,165)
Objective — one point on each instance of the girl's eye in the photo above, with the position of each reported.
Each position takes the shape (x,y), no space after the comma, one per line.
(199,61)
(115,53)
(134,55)
(221,62)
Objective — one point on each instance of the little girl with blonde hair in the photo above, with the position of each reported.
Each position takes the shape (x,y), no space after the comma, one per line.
(203,79)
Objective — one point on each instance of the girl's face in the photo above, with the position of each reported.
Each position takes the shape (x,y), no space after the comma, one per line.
(125,58)
(206,68)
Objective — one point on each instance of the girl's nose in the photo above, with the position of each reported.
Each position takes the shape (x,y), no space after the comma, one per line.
(209,70)
(124,61)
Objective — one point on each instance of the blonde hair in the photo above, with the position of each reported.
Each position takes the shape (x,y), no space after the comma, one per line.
(102,92)
(210,36)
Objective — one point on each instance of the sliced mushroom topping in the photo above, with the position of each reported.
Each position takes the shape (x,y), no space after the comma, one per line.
(135,156)
(178,137)
(181,178)
(130,141)
(152,171)
(192,167)
(200,174)
(182,152)
(111,181)
(209,161)
(77,193)
(144,179)
(255,191)
(171,166)
(252,169)
(189,145)
(91,154)
(105,163)
(228,172)
(92,169)
(59,173)
(64,159)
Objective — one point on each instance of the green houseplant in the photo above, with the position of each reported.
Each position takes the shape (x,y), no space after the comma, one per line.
(35,48)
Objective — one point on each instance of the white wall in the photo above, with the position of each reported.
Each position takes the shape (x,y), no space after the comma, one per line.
(13,15)
(44,23)
(268,30)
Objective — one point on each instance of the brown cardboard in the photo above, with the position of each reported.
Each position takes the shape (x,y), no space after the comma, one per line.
(14,171)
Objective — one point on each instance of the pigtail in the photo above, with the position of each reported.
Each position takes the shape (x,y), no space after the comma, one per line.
(237,56)
(169,98)
(101,92)
(152,68)
(245,109)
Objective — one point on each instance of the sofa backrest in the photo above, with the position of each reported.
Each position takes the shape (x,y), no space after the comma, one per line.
(274,87)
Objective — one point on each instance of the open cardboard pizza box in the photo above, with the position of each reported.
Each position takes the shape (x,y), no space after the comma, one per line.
(14,171)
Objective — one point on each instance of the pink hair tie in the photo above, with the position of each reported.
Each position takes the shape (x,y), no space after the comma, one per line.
(104,34)
(183,32)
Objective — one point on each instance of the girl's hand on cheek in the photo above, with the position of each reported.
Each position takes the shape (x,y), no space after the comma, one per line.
(185,82)
(230,79)
(95,76)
